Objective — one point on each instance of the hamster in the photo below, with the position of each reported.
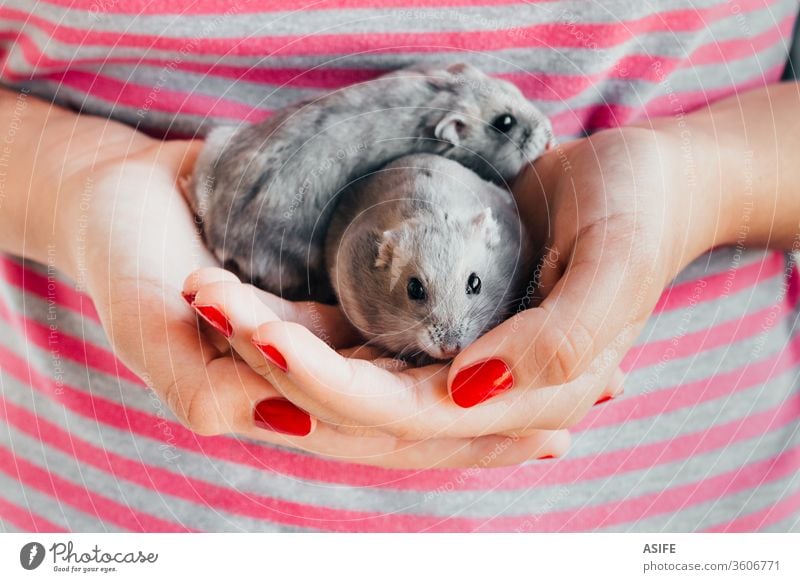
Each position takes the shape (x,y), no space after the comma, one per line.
(425,256)
(264,192)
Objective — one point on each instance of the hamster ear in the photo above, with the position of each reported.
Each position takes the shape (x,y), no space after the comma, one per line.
(486,227)
(450,128)
(387,242)
(391,255)
(461,68)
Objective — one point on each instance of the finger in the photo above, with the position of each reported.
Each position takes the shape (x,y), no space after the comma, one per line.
(205,276)
(237,310)
(233,399)
(326,321)
(483,452)
(614,388)
(549,271)
(412,403)
(604,293)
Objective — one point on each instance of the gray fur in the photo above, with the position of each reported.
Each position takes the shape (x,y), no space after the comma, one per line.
(427,217)
(265,192)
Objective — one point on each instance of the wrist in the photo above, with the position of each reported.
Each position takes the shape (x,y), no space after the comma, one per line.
(698,205)
(84,207)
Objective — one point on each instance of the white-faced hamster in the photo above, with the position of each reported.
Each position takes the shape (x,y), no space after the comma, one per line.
(264,192)
(424,256)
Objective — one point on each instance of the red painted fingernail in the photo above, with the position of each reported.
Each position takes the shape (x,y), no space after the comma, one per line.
(273,355)
(280,415)
(480,382)
(546,457)
(188,297)
(603,399)
(216,318)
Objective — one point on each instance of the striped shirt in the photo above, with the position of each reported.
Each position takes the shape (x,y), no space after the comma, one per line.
(707,436)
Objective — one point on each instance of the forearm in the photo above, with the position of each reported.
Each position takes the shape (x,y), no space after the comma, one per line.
(745,153)
(47,156)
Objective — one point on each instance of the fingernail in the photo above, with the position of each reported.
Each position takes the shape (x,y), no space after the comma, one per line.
(216,318)
(280,415)
(603,399)
(188,297)
(273,355)
(480,382)
(546,457)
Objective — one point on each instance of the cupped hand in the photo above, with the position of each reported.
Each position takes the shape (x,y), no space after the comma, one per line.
(616,222)
(140,244)
(616,217)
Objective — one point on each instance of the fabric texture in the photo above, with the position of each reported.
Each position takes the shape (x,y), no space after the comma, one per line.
(707,435)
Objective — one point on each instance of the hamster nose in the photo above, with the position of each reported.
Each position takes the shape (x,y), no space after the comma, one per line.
(450,350)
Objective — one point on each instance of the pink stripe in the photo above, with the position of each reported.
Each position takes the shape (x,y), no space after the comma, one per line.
(566,123)
(302,515)
(209,495)
(541,86)
(606,115)
(90,502)
(697,392)
(759,520)
(165,100)
(54,290)
(283,462)
(692,344)
(603,465)
(197,7)
(102,360)
(712,287)
(53,340)
(549,35)
(25,520)
(671,500)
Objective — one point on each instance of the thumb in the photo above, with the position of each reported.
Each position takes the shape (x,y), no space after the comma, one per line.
(607,289)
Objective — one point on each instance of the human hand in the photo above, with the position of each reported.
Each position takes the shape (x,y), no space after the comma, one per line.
(618,224)
(617,218)
(365,426)
(139,244)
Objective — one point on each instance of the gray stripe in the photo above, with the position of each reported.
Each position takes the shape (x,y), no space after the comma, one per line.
(573,60)
(141,499)
(670,371)
(151,121)
(374,499)
(789,525)
(70,322)
(237,23)
(6,527)
(685,420)
(29,498)
(710,310)
(665,373)
(626,92)
(718,511)
(608,91)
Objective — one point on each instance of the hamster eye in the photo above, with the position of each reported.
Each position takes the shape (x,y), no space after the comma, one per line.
(473,284)
(504,122)
(415,290)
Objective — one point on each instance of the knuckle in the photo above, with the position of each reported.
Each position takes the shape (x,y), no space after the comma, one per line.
(194,408)
(571,418)
(356,430)
(559,354)
(406,431)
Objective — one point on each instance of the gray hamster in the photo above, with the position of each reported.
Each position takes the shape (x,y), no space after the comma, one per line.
(425,256)
(264,193)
